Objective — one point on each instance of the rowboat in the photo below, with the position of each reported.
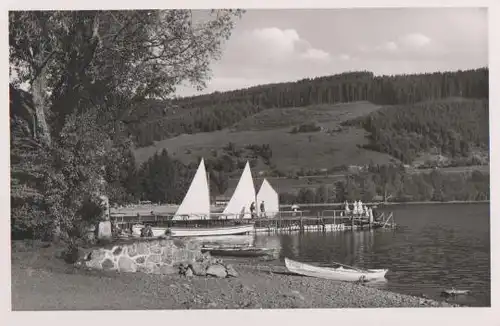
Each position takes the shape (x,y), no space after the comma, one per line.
(225,241)
(242,252)
(454,292)
(350,274)
(211,231)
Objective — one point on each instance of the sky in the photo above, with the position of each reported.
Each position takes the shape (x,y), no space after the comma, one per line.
(268,46)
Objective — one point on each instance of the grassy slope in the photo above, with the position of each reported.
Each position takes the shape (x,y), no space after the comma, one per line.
(290,151)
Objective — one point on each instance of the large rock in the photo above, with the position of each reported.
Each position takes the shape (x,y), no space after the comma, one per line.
(125,264)
(231,271)
(142,248)
(108,264)
(198,269)
(217,270)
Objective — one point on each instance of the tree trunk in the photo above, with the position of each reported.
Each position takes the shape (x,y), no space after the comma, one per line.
(39,101)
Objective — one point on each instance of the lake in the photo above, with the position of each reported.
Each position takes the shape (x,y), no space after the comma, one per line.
(436,247)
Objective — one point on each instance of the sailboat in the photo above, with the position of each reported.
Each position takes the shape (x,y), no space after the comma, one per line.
(270,198)
(196,206)
(238,206)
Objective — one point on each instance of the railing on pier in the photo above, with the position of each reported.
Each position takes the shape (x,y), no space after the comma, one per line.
(281,219)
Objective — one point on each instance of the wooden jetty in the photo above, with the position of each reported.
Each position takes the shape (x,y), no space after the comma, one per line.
(282,221)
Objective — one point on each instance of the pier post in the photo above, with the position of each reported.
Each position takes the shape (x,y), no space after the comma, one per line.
(301,224)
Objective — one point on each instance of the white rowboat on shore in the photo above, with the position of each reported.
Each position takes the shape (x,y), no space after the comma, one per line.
(337,274)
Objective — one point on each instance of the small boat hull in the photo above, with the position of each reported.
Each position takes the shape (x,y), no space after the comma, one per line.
(337,274)
(453,292)
(214,231)
(225,241)
(242,252)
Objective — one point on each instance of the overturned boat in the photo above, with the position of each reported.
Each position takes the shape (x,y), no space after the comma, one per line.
(350,274)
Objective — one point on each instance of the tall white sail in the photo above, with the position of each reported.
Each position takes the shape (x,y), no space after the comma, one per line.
(270,198)
(196,203)
(243,197)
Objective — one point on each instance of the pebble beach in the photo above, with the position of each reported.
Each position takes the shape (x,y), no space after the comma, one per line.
(42,282)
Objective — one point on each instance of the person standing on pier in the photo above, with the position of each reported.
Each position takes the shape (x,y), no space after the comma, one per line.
(262,209)
(252,210)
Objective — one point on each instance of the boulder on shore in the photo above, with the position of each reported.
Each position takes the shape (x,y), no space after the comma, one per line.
(231,272)
(198,269)
(217,270)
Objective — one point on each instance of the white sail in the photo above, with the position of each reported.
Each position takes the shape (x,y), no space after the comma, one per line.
(270,198)
(243,196)
(196,203)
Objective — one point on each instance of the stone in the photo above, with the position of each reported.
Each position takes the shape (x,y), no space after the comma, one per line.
(143,269)
(163,243)
(231,272)
(94,264)
(167,257)
(142,248)
(168,270)
(117,251)
(140,260)
(104,230)
(179,243)
(108,264)
(125,264)
(189,272)
(98,254)
(132,250)
(192,245)
(155,249)
(217,270)
(197,269)
(153,259)
(153,268)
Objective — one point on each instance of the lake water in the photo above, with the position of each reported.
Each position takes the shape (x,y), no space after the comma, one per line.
(436,247)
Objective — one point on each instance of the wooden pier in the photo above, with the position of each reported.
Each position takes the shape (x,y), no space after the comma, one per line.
(283,221)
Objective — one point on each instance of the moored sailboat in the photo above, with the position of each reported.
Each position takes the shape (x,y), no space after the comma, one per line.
(269,198)
(238,206)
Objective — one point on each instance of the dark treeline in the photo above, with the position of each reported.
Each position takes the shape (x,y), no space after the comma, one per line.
(393,185)
(222,109)
(163,179)
(453,127)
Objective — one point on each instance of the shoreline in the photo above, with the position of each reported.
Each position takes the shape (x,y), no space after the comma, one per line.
(42,282)
(392,203)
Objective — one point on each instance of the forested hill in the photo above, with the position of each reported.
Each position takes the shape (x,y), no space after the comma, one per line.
(221,110)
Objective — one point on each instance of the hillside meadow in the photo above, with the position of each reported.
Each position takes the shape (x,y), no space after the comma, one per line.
(333,145)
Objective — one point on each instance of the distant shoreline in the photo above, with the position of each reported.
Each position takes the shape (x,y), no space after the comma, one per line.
(393,203)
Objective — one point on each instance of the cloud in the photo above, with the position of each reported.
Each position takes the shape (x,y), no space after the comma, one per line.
(316,55)
(271,46)
(415,41)
(405,43)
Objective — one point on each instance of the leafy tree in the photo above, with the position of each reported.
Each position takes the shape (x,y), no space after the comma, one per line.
(94,68)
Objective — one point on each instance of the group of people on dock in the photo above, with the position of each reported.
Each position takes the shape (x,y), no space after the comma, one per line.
(262,210)
(360,210)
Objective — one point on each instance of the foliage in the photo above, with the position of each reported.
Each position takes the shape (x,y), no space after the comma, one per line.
(86,72)
(393,184)
(223,109)
(448,127)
